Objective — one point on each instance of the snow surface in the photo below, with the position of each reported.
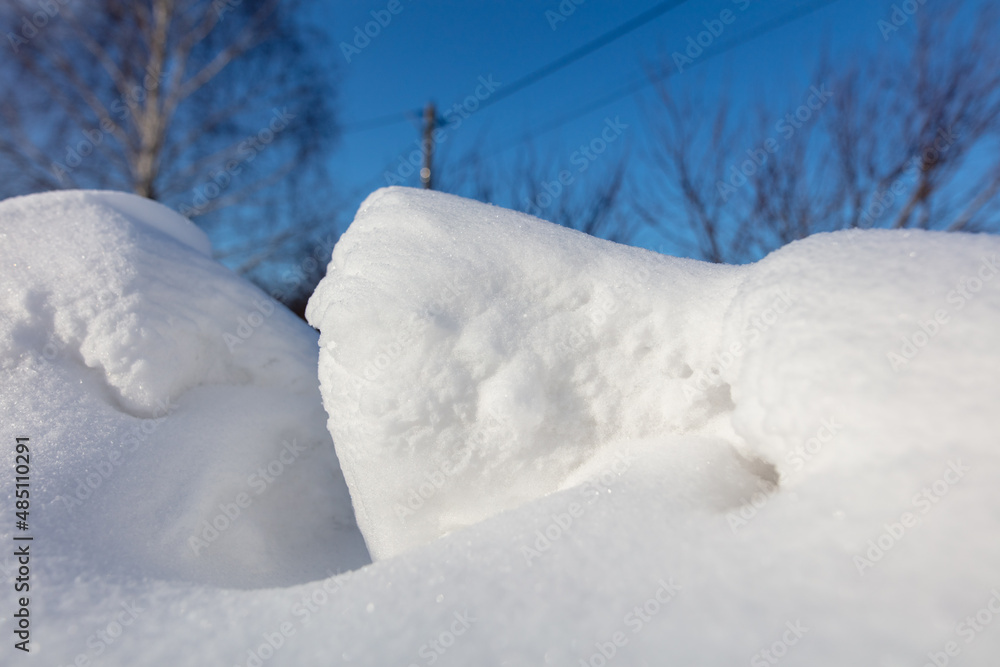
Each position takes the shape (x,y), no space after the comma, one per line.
(475,359)
(123,362)
(632,459)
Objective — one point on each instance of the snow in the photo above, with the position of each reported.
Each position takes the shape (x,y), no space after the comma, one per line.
(473,361)
(622,458)
(123,360)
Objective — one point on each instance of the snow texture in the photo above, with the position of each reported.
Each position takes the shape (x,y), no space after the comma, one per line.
(124,359)
(617,457)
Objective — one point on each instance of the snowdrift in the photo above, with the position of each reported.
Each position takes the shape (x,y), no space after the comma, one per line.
(175,424)
(475,359)
(559,450)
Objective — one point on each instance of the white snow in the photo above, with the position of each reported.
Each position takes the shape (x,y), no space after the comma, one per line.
(593,434)
(473,358)
(149,414)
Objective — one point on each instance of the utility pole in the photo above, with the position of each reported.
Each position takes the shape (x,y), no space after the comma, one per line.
(430,123)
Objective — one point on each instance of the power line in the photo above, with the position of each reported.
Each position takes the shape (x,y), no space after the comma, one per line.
(537,75)
(381,121)
(585,50)
(624,91)
(639,84)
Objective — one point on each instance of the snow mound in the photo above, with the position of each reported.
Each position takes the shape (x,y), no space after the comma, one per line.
(474,359)
(172,406)
(809,477)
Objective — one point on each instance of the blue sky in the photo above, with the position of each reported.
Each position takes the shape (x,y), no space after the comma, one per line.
(438,50)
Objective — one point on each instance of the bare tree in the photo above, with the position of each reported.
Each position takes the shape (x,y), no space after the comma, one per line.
(200,104)
(688,161)
(906,138)
(551,187)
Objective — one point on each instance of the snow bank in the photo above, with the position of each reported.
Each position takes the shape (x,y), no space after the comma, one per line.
(632,411)
(474,359)
(796,437)
(171,406)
